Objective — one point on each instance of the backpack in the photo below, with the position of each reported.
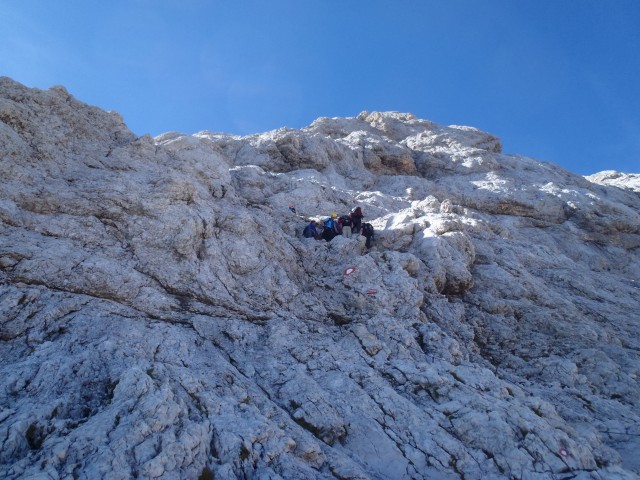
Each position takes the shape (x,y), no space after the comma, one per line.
(367,230)
(345,221)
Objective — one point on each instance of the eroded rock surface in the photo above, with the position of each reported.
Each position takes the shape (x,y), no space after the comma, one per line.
(161,316)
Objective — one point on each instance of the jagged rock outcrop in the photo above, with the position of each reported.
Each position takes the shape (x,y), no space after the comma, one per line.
(161,316)
(630,181)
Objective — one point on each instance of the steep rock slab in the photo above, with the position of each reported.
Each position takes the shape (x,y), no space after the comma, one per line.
(162,317)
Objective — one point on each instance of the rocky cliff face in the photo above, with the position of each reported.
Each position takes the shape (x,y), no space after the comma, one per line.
(161,316)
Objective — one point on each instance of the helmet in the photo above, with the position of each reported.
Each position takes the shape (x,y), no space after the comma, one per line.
(334,215)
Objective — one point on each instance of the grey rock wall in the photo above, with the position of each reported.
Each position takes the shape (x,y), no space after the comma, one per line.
(161,316)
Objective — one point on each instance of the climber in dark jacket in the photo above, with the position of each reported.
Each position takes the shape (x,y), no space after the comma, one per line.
(367,232)
(356,218)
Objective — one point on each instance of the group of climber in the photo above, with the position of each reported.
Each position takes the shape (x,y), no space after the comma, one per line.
(345,225)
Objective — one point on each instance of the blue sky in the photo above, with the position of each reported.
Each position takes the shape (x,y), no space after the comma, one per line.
(557,80)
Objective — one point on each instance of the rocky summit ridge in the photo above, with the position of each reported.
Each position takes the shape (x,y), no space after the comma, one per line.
(161,316)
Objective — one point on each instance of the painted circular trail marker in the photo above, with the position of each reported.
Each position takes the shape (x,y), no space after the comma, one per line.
(372,291)
(349,271)
(563,452)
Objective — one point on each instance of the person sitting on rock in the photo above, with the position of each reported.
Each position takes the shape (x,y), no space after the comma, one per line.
(356,218)
(311,230)
(330,227)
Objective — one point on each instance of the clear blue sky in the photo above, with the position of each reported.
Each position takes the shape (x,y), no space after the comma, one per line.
(558,80)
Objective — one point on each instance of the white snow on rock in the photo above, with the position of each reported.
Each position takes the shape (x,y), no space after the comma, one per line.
(162,317)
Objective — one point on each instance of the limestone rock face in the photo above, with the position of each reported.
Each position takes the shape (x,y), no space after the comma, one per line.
(628,181)
(161,315)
